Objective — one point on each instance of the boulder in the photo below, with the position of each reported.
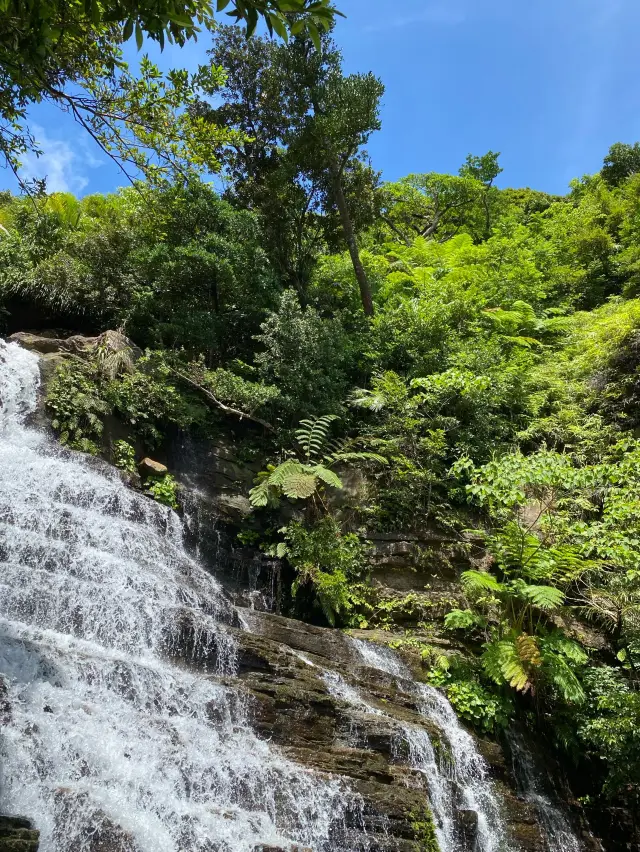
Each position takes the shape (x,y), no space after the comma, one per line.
(42,343)
(112,343)
(149,467)
(468,829)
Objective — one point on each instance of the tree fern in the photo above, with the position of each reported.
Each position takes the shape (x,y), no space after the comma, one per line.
(300,479)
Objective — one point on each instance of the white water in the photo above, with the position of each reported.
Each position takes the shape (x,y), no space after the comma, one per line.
(339,688)
(556,828)
(460,781)
(110,725)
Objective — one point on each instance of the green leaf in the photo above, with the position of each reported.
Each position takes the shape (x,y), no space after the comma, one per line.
(127,32)
(327,476)
(314,36)
(546,598)
(479,581)
(279,26)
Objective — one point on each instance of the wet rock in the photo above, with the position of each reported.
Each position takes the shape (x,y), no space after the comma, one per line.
(42,343)
(98,832)
(294,848)
(5,706)
(17,834)
(468,829)
(150,467)
(330,644)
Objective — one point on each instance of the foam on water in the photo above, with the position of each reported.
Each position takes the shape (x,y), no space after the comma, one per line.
(457,781)
(557,830)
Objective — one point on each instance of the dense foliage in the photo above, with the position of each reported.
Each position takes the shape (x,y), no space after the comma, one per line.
(466,356)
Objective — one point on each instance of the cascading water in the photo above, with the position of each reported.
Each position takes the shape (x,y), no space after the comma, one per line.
(110,728)
(461,781)
(559,835)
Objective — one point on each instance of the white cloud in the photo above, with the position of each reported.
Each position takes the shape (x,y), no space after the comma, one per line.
(63,167)
(435,13)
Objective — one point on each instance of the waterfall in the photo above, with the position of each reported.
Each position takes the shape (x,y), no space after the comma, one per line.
(458,782)
(111,730)
(556,828)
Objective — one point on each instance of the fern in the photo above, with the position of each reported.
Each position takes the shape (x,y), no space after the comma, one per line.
(284,470)
(546,598)
(528,650)
(502,662)
(478,582)
(313,436)
(560,674)
(337,457)
(299,480)
(327,476)
(462,619)
(299,485)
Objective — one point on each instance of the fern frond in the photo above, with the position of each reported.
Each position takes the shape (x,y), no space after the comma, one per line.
(501,661)
(259,495)
(558,671)
(476,582)
(546,598)
(282,471)
(314,433)
(327,476)
(558,643)
(528,650)
(337,457)
(299,485)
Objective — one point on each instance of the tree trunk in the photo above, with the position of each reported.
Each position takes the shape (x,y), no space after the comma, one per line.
(350,237)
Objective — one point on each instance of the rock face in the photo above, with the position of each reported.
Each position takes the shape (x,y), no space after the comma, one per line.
(282,666)
(47,343)
(18,835)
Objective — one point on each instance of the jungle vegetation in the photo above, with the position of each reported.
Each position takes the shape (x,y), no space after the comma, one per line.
(472,351)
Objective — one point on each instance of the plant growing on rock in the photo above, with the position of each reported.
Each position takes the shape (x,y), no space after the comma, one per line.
(164,489)
(306,474)
(329,565)
(124,456)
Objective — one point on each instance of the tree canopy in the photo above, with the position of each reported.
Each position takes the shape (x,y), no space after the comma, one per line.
(70,54)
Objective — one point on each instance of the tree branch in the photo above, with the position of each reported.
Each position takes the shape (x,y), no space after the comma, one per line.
(215,402)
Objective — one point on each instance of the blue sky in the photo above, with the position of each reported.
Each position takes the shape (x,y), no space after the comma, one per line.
(549,83)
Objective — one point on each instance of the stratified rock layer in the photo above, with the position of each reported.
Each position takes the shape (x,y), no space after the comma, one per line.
(18,835)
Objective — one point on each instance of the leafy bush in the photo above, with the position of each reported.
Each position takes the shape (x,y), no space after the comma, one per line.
(328,565)
(124,456)
(76,406)
(164,489)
